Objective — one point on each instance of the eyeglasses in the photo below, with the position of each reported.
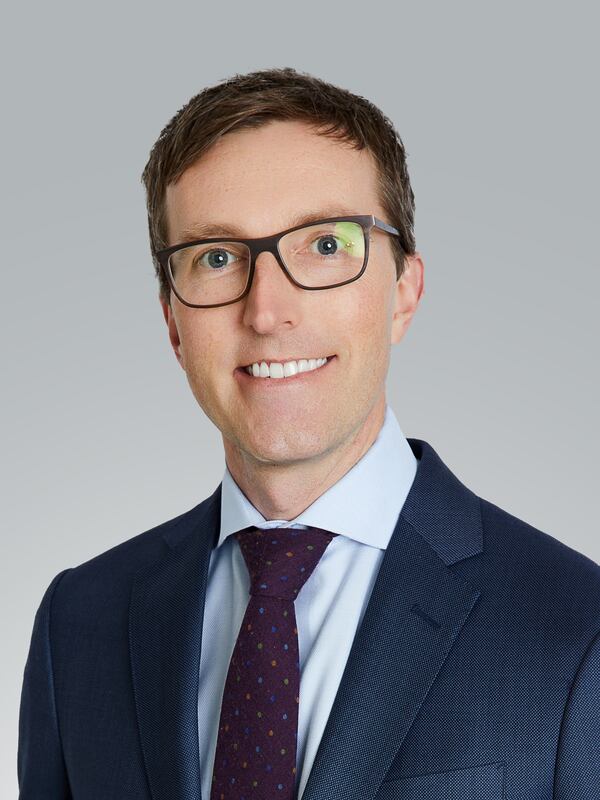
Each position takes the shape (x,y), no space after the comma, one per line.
(321,255)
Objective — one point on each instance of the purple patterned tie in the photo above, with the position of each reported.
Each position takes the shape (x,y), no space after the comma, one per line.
(255,757)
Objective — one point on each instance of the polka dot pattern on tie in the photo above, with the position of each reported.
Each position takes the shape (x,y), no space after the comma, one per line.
(255,758)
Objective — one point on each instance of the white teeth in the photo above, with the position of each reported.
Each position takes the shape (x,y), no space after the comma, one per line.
(285,370)
(290,368)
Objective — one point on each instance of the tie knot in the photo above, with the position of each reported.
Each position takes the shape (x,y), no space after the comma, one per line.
(280,560)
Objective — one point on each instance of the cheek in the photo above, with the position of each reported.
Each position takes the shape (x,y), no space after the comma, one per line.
(365,311)
(199,348)
(370,335)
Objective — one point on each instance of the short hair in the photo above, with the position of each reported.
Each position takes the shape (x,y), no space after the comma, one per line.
(255,98)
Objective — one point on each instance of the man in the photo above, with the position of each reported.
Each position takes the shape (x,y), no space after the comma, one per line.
(342,617)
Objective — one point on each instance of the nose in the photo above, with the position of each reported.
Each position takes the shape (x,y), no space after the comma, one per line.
(273,299)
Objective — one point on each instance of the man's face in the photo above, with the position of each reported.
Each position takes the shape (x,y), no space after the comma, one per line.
(259,180)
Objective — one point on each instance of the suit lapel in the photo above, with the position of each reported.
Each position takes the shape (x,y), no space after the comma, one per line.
(416,611)
(165,630)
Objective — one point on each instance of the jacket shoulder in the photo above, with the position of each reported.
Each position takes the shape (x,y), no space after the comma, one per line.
(109,574)
(526,538)
(540,570)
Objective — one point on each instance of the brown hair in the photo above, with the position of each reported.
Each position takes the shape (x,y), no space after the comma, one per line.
(253,99)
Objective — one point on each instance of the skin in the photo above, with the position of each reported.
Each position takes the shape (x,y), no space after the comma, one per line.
(286,446)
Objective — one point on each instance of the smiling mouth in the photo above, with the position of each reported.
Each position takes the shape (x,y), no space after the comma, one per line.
(285,370)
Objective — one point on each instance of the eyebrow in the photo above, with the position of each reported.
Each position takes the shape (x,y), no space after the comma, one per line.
(207,230)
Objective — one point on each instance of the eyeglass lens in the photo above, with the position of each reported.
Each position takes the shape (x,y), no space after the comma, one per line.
(324,254)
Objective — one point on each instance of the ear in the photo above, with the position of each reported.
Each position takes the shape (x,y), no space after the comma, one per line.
(172,327)
(407,293)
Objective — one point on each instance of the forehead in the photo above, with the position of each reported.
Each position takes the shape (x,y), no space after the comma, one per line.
(259,179)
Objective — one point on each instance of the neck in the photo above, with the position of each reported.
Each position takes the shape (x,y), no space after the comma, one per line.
(282,491)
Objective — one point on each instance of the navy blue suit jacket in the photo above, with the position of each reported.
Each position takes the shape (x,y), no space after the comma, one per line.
(475,673)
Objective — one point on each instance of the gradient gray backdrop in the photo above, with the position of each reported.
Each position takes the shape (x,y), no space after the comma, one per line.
(498,109)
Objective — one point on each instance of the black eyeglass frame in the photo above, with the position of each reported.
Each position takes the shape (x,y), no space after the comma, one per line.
(270,244)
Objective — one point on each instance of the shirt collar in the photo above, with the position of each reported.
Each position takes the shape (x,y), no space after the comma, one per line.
(363,505)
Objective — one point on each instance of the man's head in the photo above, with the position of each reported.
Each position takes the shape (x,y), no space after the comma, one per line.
(254,154)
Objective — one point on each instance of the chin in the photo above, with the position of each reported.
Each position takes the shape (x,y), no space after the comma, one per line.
(289,446)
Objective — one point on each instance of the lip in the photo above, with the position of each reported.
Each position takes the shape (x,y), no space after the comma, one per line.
(271,383)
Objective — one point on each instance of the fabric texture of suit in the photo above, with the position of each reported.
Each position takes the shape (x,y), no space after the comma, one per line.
(475,673)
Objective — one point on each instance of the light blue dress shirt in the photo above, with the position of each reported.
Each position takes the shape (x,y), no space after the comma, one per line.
(363,508)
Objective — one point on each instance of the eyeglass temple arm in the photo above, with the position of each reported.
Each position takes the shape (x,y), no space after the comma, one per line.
(379,223)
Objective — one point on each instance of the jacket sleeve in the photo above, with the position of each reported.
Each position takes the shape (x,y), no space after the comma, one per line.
(577,775)
(40,765)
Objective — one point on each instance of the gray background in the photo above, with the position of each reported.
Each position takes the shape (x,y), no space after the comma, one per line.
(498,109)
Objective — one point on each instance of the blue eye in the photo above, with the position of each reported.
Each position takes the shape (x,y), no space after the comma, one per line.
(328,245)
(217,258)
